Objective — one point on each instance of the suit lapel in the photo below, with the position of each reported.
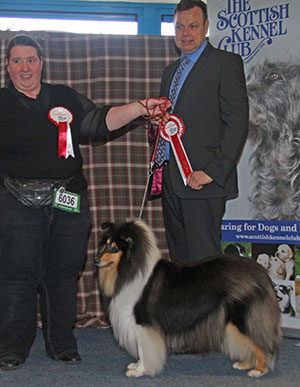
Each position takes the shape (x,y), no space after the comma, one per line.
(199,69)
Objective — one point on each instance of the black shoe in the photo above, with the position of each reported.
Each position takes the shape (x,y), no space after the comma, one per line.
(71,358)
(10,363)
(68,358)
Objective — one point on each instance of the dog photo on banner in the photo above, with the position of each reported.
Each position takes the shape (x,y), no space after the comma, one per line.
(266,215)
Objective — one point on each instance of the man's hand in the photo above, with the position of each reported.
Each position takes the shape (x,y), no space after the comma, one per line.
(198,179)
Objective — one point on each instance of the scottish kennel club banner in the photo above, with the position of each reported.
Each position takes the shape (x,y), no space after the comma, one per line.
(263,223)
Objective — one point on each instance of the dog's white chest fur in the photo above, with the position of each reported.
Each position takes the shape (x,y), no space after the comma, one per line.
(121,315)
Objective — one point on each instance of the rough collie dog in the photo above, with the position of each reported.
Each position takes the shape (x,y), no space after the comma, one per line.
(225,303)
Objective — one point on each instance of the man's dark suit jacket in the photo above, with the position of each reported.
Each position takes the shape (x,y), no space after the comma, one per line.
(213,104)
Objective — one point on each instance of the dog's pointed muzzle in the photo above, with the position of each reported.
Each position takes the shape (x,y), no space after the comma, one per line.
(98,262)
(109,249)
(102,265)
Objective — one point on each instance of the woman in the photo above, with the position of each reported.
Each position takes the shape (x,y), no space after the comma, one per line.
(45,215)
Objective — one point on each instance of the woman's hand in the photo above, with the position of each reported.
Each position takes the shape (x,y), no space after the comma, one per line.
(155,110)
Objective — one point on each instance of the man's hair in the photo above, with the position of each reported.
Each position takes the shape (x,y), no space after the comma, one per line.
(185,5)
(23,40)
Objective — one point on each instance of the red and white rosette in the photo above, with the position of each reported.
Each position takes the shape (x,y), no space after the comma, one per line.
(171,132)
(62,117)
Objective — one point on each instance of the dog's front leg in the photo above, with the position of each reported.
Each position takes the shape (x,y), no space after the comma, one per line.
(151,352)
(135,370)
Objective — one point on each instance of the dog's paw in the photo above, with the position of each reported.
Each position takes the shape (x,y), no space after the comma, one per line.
(241,366)
(256,373)
(132,366)
(134,373)
(135,370)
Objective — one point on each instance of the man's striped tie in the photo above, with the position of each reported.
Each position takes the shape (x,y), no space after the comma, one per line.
(160,155)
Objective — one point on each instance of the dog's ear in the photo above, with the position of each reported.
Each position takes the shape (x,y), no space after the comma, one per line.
(289,289)
(129,242)
(106,225)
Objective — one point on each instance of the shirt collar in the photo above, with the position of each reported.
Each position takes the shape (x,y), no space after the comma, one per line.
(195,55)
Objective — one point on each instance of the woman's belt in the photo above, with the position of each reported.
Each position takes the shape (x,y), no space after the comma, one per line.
(34,193)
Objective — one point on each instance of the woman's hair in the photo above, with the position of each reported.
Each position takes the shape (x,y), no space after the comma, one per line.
(23,40)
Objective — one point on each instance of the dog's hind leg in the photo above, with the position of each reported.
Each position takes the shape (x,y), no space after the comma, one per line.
(261,364)
(152,353)
(239,346)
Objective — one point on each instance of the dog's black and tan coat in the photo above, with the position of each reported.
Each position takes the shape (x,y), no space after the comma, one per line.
(224,303)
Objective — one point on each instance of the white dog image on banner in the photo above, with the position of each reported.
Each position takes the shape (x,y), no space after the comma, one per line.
(274,99)
(277,269)
(274,266)
(264,260)
(286,255)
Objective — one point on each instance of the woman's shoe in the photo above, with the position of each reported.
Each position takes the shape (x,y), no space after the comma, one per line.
(10,362)
(71,357)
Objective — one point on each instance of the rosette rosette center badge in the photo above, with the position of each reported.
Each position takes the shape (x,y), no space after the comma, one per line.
(62,117)
(172,132)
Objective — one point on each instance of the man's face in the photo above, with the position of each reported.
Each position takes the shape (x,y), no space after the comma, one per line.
(190,30)
(24,68)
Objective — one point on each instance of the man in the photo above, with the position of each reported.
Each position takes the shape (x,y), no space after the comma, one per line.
(43,244)
(212,102)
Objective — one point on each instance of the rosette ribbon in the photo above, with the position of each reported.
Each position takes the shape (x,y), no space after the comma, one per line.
(62,117)
(172,132)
